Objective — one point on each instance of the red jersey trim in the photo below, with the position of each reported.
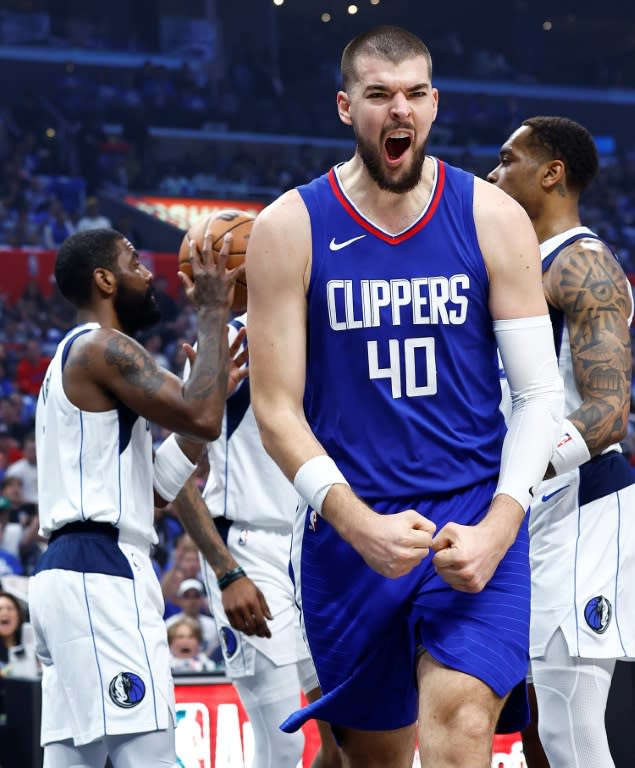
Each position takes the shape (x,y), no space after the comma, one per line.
(391,239)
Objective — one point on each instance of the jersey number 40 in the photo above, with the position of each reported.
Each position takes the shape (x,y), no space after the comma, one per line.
(417,355)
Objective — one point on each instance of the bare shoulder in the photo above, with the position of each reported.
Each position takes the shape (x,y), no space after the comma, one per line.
(101,339)
(285,214)
(280,241)
(492,206)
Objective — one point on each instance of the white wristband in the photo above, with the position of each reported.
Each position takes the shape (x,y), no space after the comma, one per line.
(314,479)
(171,469)
(571,450)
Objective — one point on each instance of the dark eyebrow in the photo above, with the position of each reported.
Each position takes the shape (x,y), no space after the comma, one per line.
(383,87)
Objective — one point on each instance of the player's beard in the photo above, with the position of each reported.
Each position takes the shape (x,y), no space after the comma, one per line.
(136,311)
(372,159)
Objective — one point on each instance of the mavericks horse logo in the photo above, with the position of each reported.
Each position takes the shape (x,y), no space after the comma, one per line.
(598,612)
(127,689)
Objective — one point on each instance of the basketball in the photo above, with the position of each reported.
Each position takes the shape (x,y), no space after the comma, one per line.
(239,223)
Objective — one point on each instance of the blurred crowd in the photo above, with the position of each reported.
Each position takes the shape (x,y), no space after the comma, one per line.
(49,183)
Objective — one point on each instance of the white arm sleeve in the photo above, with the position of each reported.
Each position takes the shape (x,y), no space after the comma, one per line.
(537,392)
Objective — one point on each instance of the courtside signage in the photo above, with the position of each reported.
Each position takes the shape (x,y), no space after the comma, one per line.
(182,212)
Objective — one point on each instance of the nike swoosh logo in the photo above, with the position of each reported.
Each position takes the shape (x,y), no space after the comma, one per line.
(338,246)
(548,496)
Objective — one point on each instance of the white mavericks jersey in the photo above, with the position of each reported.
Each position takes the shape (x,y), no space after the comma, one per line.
(92,465)
(582,531)
(245,484)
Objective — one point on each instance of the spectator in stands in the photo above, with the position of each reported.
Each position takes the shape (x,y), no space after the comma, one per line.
(33,297)
(24,232)
(19,509)
(31,368)
(25,514)
(190,597)
(92,218)
(185,565)
(13,427)
(26,470)
(58,225)
(9,446)
(184,639)
(61,313)
(12,617)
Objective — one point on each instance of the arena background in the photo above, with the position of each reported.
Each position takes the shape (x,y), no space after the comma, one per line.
(157,112)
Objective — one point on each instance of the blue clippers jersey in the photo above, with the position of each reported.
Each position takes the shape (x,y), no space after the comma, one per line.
(402,376)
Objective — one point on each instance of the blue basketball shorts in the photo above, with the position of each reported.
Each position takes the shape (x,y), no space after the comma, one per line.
(365,631)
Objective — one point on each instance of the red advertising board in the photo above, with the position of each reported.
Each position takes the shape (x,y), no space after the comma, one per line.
(20,266)
(213,731)
(183,212)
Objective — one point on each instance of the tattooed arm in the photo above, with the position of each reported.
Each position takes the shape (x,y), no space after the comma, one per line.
(589,286)
(106,368)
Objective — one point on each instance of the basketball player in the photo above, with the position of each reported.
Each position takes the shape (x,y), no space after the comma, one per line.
(375,385)
(95,601)
(248,585)
(582,532)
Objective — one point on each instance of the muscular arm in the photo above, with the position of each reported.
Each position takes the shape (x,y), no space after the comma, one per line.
(278,265)
(586,282)
(107,367)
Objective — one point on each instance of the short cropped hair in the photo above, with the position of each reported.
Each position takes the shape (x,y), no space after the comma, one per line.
(563,139)
(185,621)
(386,42)
(79,256)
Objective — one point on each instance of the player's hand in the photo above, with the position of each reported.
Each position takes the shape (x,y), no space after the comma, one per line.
(212,284)
(466,557)
(246,608)
(394,544)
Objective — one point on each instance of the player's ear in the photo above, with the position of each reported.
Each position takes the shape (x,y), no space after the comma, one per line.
(105,280)
(344,107)
(554,173)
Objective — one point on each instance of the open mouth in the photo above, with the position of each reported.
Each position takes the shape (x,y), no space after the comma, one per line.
(397,145)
